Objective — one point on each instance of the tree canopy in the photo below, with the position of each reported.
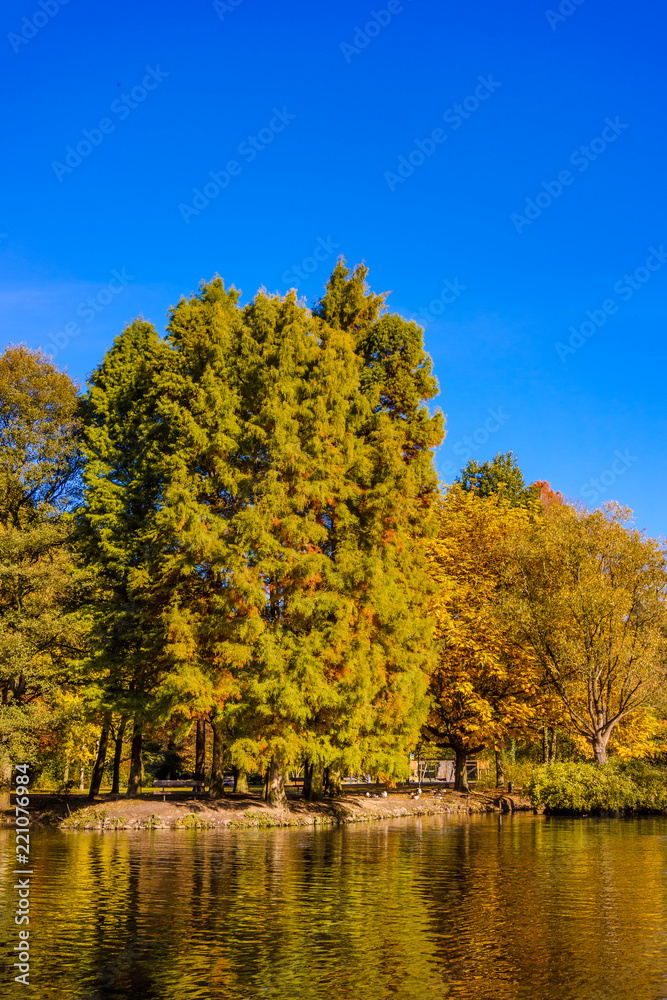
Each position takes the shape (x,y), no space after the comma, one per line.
(501,475)
(486,688)
(588,600)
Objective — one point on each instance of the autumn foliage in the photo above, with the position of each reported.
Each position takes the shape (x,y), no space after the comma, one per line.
(239,526)
(486,688)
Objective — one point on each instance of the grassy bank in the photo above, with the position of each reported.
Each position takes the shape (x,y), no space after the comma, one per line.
(184,811)
(615,788)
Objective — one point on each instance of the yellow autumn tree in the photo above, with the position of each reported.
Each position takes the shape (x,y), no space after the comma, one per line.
(486,688)
(588,600)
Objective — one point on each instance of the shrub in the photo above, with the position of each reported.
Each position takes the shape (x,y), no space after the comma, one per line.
(519,772)
(587,787)
(191,821)
(652,782)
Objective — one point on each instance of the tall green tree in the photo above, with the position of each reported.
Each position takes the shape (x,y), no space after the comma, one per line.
(502,476)
(290,541)
(123,448)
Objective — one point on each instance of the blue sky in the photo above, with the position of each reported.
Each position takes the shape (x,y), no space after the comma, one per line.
(524,228)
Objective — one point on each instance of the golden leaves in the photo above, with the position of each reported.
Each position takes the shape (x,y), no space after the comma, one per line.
(485,687)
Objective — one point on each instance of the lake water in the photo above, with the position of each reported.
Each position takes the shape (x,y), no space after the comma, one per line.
(523,907)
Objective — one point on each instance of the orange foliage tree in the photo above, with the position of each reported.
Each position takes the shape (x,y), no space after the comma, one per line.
(485,689)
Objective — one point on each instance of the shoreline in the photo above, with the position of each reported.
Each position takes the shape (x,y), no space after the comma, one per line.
(249,811)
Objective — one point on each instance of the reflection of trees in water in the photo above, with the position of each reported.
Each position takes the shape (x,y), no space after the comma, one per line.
(313,914)
(463,887)
(87,932)
(599,915)
(299,914)
(551,909)
(413,911)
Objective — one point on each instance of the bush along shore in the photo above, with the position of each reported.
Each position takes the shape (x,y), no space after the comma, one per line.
(617,788)
(238,811)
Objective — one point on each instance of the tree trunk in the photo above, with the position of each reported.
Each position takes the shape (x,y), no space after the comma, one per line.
(313,784)
(500,769)
(98,770)
(82,776)
(335,787)
(134,780)
(461,772)
(545,745)
(307,789)
(216,788)
(200,751)
(118,753)
(275,785)
(240,780)
(5,780)
(600,749)
(66,771)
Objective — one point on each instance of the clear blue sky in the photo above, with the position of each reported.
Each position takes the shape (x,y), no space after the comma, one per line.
(182,89)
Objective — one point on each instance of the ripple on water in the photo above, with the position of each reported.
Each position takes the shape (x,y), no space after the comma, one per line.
(410,910)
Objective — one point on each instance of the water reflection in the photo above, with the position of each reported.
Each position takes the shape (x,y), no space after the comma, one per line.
(408,910)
